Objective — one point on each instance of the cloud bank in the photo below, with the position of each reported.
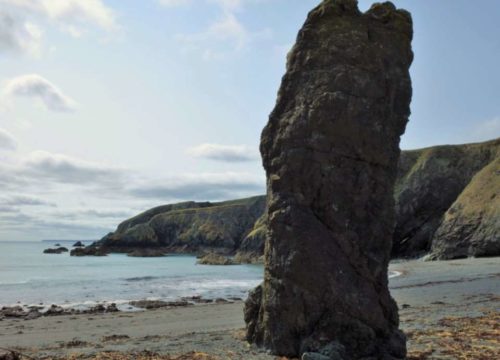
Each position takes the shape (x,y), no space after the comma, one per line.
(20,33)
(201,187)
(69,11)
(227,153)
(17,35)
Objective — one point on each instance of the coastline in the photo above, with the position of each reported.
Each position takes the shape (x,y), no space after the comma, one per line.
(438,301)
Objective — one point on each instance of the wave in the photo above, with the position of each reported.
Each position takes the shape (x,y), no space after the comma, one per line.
(21,282)
(142,278)
(393,274)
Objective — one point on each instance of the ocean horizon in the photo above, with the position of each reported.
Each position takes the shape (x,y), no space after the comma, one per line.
(30,278)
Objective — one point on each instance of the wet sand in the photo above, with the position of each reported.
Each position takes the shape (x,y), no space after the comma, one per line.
(446,308)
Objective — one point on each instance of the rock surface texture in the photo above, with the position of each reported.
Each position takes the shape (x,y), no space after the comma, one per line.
(330,151)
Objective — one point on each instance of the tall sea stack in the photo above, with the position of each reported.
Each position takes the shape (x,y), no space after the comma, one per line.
(330,151)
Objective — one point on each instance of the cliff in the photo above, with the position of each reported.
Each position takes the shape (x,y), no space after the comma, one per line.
(187,227)
(471,226)
(428,184)
(429,181)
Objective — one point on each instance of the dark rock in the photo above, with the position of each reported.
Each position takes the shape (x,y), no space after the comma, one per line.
(112,338)
(13,312)
(59,250)
(92,250)
(215,259)
(75,343)
(9,355)
(148,252)
(471,226)
(78,244)
(99,308)
(112,308)
(157,304)
(32,315)
(221,301)
(57,244)
(54,310)
(196,300)
(330,151)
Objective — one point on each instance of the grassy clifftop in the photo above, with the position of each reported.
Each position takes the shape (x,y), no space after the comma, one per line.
(471,226)
(189,226)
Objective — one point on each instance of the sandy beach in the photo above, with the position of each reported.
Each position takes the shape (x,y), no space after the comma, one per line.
(449,310)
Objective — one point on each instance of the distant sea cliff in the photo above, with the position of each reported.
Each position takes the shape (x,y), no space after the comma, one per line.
(447,206)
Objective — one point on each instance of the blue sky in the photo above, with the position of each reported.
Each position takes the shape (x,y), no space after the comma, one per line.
(108,107)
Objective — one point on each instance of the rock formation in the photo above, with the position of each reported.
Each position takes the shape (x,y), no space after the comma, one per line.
(471,227)
(330,151)
(58,250)
(215,259)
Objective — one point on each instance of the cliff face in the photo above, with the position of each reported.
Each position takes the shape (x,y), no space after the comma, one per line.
(471,226)
(189,227)
(330,151)
(429,181)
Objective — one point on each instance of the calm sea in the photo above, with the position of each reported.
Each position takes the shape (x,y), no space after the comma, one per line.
(28,277)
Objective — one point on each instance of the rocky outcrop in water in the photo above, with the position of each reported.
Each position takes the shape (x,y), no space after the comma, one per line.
(330,151)
(58,250)
(215,259)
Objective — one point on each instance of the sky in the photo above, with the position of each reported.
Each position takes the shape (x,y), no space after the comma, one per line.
(110,107)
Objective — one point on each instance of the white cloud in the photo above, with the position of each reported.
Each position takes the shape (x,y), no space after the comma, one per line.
(228,5)
(70,11)
(204,186)
(17,35)
(35,86)
(174,3)
(24,200)
(7,141)
(225,36)
(228,153)
(19,31)
(66,169)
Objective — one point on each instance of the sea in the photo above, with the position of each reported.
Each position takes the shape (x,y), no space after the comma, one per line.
(29,277)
